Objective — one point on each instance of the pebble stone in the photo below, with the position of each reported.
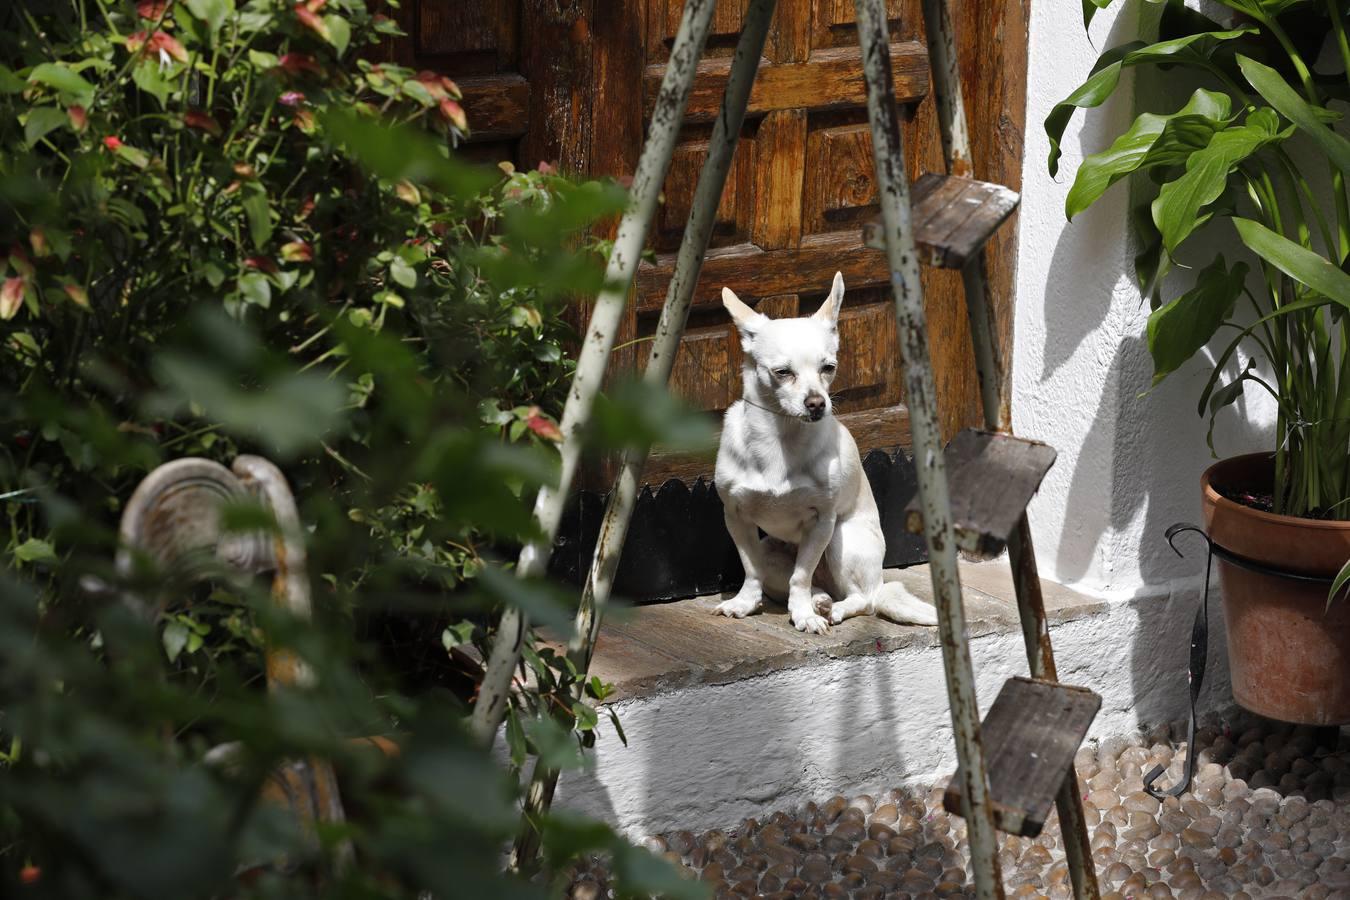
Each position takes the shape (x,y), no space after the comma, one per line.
(1267,815)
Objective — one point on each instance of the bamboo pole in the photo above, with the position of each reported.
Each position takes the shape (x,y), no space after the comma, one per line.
(660,361)
(667,116)
(893,192)
(995,398)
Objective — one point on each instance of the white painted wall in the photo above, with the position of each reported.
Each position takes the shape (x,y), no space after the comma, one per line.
(1128,467)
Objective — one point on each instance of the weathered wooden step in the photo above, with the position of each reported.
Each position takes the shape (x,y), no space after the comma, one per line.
(991,477)
(953,218)
(1029,737)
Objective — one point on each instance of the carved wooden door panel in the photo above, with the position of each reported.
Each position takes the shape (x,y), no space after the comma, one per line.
(572,82)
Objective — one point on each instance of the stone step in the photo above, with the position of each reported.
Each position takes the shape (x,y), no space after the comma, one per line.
(727,717)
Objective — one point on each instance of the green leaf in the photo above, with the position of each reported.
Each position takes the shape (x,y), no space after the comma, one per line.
(61,78)
(1192,49)
(263,60)
(641,873)
(567,835)
(554,745)
(1149,262)
(132,156)
(1177,210)
(618,727)
(9,82)
(258,213)
(1176,331)
(403,273)
(1299,263)
(1090,8)
(149,78)
(515,739)
(418,91)
(34,550)
(537,599)
(212,12)
(586,716)
(1152,140)
(1288,309)
(42,120)
(1293,107)
(1227,394)
(288,412)
(255,289)
(339,32)
(175,638)
(491,414)
(635,413)
(1337,585)
(399,151)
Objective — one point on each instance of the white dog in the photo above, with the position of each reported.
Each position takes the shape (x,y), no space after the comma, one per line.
(789,468)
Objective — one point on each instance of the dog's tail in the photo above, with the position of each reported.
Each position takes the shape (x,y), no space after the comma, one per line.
(895,602)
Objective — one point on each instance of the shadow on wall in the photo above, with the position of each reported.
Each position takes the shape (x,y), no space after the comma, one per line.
(1137,469)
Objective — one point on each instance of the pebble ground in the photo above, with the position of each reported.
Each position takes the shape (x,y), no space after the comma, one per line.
(1267,815)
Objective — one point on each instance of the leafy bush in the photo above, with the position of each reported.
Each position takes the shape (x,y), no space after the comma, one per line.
(225,231)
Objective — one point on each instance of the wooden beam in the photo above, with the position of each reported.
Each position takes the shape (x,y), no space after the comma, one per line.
(748,270)
(829,79)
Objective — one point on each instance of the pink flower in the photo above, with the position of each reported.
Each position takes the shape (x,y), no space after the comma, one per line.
(159,44)
(261,263)
(11,297)
(438,86)
(78,295)
(296,63)
(546,168)
(291,98)
(454,113)
(153,10)
(112,143)
(546,428)
(19,260)
(79,119)
(297,251)
(38,239)
(195,118)
(311,20)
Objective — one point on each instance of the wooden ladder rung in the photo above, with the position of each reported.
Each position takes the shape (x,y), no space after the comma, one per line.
(953,218)
(1029,737)
(992,478)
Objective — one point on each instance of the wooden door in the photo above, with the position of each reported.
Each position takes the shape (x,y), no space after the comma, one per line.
(572,82)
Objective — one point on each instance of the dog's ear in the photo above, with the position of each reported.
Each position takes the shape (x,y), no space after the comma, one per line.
(829,310)
(746,319)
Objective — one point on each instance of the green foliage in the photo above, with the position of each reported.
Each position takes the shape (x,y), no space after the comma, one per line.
(1223,161)
(223,229)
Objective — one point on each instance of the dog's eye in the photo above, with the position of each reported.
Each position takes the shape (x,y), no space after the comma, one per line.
(782,373)
(827,369)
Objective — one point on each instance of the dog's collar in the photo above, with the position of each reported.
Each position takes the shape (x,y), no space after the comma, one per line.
(779,414)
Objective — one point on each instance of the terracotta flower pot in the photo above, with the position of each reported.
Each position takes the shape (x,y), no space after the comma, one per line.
(1288,658)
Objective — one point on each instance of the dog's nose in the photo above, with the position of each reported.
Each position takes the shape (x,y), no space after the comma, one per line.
(815,406)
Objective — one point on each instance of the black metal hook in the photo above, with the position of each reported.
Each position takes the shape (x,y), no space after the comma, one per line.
(1196,671)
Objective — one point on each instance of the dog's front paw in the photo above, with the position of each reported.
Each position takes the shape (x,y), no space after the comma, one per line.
(737,607)
(811,623)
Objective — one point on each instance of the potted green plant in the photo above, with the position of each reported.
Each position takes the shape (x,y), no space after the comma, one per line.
(1223,159)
